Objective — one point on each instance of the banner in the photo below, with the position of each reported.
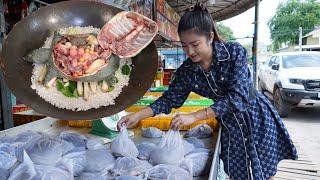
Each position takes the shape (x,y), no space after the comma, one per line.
(167,20)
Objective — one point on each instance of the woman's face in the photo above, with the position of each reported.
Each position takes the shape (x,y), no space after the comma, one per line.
(196,46)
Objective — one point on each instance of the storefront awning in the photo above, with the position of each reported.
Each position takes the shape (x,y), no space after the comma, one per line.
(220,9)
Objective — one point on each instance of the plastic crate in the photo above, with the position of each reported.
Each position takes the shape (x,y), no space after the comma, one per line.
(79,123)
(163,123)
(158,94)
(182,109)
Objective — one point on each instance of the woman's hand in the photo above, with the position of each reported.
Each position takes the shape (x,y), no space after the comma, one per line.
(129,121)
(132,119)
(182,120)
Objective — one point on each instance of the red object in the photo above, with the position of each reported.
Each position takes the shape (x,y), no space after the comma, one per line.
(24,5)
(167,76)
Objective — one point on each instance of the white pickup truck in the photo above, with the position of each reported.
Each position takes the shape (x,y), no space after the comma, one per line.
(291,79)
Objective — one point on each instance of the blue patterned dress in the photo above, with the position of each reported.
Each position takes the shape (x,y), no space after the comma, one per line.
(254,138)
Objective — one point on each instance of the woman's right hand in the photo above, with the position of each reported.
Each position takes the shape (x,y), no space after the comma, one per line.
(132,119)
(129,121)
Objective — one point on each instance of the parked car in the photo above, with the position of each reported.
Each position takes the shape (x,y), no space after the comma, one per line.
(291,79)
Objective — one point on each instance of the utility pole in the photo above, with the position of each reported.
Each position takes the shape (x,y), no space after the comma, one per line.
(255,42)
(300,38)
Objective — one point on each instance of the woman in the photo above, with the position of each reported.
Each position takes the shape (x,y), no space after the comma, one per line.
(253,139)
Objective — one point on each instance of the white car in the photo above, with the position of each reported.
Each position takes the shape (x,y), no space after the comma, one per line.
(291,79)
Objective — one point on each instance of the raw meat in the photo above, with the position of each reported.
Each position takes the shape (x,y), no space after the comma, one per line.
(127,33)
(73,55)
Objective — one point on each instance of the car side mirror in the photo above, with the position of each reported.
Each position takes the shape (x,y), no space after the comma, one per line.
(275,67)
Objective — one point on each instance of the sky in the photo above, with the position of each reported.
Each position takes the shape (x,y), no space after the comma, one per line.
(242,26)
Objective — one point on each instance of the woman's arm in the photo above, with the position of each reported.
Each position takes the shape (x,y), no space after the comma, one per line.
(187,119)
(174,97)
(132,119)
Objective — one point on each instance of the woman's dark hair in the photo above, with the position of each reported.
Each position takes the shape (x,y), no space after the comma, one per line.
(198,19)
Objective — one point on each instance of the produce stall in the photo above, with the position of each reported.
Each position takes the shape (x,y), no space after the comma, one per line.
(54,127)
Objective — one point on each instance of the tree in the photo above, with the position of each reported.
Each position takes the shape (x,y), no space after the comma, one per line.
(225,32)
(284,25)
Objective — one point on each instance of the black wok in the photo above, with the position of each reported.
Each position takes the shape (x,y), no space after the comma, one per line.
(31,32)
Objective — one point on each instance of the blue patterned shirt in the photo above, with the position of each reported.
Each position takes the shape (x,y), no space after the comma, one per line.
(253,137)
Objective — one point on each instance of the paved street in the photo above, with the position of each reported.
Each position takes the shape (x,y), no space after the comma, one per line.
(304,127)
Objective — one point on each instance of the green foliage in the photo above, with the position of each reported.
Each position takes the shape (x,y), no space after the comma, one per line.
(225,32)
(284,25)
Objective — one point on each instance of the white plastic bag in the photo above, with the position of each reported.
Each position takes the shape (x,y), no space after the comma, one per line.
(45,151)
(170,150)
(7,160)
(91,176)
(130,166)
(78,161)
(188,147)
(4,174)
(151,132)
(62,171)
(94,144)
(27,138)
(78,141)
(145,150)
(99,160)
(123,146)
(200,161)
(128,178)
(25,170)
(197,143)
(66,147)
(201,131)
(168,172)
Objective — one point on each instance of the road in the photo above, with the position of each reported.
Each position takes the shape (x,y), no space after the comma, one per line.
(303,125)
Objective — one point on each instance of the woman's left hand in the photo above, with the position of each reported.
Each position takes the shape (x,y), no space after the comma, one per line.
(182,120)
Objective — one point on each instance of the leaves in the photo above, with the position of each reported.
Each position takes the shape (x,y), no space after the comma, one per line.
(125,70)
(225,32)
(284,25)
(68,89)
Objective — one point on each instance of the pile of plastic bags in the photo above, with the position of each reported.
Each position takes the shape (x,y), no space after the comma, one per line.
(68,155)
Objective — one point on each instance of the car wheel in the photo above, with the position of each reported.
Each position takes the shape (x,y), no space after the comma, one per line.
(260,86)
(282,106)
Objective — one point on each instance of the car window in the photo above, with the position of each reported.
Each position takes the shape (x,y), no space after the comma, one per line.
(271,61)
(276,60)
(301,60)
